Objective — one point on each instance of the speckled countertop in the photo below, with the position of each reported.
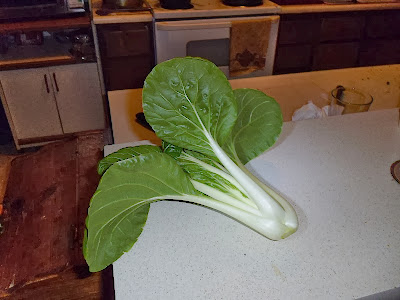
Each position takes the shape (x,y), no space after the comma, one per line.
(336,172)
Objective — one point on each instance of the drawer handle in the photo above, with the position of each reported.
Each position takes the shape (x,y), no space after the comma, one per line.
(47,84)
(55,81)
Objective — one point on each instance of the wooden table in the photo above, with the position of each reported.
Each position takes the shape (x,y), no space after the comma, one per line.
(46,196)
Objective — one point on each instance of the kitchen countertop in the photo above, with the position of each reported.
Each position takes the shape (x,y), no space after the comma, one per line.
(383,82)
(273,9)
(212,8)
(321,8)
(336,173)
(144,16)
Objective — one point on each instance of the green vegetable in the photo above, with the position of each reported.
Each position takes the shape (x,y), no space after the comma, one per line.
(123,154)
(209,133)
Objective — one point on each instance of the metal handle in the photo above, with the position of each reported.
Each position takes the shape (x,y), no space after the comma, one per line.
(55,82)
(47,84)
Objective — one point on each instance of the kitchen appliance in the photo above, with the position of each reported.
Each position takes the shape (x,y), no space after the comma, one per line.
(27,9)
(205,31)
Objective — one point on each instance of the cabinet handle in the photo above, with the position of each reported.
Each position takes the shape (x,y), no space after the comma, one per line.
(47,84)
(55,81)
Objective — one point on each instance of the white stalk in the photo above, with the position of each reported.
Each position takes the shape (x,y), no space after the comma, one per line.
(214,170)
(270,228)
(223,197)
(291,216)
(265,203)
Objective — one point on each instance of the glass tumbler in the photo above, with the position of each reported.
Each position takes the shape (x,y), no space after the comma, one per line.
(352,100)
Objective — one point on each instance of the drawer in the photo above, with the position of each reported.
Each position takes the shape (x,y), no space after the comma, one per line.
(293,57)
(336,56)
(126,72)
(380,52)
(341,28)
(384,24)
(125,40)
(297,31)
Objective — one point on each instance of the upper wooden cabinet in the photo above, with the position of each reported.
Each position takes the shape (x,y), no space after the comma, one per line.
(45,103)
(310,42)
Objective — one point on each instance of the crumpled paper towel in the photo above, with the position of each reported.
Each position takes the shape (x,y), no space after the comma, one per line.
(311,111)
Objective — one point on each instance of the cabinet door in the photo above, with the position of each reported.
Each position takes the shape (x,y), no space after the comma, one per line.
(127,54)
(78,95)
(30,99)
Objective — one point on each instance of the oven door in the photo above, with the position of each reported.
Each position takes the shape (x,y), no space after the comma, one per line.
(207,38)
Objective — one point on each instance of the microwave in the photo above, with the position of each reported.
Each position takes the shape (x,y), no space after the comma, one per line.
(11,10)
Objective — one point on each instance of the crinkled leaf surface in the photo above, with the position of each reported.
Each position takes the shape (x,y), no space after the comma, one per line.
(184,97)
(205,159)
(171,149)
(198,168)
(258,125)
(123,154)
(119,208)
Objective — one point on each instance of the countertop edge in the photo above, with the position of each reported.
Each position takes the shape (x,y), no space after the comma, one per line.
(277,9)
(321,8)
(126,18)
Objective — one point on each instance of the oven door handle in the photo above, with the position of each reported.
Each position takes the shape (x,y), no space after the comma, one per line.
(172,26)
(208,24)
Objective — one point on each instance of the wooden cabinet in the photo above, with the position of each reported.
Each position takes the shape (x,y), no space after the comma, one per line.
(341,28)
(51,102)
(383,25)
(335,56)
(310,42)
(127,54)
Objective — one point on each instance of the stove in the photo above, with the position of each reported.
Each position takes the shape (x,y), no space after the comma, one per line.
(211,9)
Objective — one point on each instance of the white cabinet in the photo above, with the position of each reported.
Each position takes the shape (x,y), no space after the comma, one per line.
(49,102)
(78,95)
(30,101)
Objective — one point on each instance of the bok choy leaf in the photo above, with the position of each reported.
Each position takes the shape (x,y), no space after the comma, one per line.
(209,133)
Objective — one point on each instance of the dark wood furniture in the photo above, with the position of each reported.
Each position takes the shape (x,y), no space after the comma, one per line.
(50,24)
(311,42)
(127,54)
(44,210)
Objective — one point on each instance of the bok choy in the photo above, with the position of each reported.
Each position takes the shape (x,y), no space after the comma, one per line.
(209,133)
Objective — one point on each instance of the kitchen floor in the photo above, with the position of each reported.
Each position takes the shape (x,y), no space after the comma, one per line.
(44,195)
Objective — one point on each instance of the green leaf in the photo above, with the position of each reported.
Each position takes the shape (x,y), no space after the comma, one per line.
(171,149)
(205,159)
(258,125)
(123,154)
(186,98)
(119,208)
(206,171)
